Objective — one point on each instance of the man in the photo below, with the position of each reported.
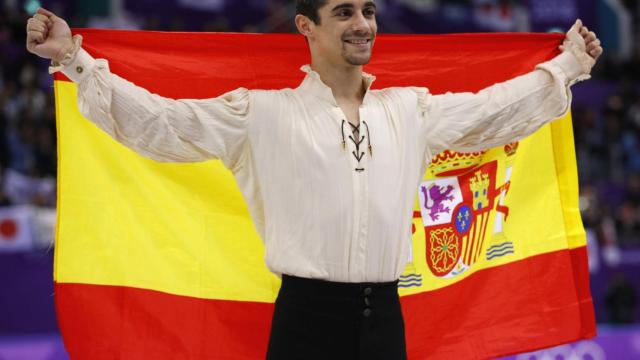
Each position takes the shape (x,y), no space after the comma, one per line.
(353,154)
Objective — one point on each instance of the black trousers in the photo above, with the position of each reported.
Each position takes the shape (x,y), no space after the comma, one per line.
(316,319)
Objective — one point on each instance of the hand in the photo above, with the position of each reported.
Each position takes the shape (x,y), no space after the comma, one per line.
(589,39)
(48,36)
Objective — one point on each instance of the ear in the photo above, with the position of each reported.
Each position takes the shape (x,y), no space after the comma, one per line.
(304,25)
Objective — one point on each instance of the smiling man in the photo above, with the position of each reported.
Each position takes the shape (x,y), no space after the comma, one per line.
(355,155)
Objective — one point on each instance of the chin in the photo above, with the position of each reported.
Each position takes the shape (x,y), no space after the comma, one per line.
(358,60)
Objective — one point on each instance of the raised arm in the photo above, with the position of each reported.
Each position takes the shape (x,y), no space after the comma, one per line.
(156,127)
(508,111)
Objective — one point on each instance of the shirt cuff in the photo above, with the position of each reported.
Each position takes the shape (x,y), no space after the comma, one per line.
(80,66)
(76,64)
(569,65)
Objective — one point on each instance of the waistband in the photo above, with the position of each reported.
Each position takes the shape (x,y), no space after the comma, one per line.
(338,289)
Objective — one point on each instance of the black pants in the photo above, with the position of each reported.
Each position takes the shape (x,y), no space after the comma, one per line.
(315,319)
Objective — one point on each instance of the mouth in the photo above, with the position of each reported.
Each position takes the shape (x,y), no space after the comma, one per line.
(359,43)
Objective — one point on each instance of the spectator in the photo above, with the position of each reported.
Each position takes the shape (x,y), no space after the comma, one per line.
(620,300)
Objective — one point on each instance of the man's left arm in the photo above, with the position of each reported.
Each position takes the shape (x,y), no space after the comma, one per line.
(508,111)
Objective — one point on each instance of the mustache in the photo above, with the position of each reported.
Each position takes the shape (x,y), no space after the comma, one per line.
(358,35)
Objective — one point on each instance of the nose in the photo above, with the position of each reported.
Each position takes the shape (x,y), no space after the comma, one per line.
(361,24)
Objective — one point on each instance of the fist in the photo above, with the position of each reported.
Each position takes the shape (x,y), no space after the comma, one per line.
(580,33)
(48,36)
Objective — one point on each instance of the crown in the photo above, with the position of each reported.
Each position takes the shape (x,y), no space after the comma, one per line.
(451,163)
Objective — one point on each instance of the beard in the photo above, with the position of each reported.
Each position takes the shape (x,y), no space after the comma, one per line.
(357,59)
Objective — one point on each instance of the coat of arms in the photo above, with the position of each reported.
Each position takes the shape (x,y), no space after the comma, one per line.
(456,207)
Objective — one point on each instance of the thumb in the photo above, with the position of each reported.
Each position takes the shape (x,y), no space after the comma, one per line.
(47,13)
(573,35)
(53,18)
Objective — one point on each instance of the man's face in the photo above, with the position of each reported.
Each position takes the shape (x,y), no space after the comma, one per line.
(346,32)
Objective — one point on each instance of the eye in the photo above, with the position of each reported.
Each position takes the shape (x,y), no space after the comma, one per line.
(369,12)
(343,13)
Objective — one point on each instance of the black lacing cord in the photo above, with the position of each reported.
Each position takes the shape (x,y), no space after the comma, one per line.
(344,142)
(357,143)
(368,138)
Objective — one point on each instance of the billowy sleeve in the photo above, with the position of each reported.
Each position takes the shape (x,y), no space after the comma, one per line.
(156,127)
(502,113)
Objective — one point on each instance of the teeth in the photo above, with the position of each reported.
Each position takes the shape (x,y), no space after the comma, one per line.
(358,41)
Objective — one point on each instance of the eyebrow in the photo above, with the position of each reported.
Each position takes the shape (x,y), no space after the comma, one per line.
(350,6)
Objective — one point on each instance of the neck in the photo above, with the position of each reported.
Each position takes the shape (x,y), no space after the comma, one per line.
(345,82)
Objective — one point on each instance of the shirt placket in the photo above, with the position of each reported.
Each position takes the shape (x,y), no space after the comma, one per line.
(359,174)
(361,179)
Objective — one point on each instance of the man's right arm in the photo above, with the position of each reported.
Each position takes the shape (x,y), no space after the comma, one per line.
(156,127)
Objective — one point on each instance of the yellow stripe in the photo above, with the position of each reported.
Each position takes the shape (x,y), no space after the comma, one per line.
(562,133)
(197,236)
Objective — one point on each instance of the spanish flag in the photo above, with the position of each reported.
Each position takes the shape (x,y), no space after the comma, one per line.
(161,261)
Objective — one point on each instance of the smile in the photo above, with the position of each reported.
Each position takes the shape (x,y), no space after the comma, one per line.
(358,41)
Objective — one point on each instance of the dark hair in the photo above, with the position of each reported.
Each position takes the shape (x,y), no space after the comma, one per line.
(310,9)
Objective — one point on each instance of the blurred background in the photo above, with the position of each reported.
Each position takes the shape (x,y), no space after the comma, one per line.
(606,115)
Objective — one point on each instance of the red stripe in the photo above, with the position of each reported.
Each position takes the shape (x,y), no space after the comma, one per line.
(112,322)
(469,320)
(474,319)
(469,245)
(473,238)
(201,65)
(480,241)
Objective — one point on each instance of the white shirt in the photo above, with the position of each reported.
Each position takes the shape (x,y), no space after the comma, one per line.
(320,211)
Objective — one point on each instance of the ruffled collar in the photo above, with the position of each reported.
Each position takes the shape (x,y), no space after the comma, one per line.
(313,84)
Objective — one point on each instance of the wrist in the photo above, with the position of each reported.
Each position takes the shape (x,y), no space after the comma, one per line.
(67,52)
(65,49)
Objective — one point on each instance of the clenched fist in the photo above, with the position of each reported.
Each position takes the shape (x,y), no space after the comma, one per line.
(592,45)
(48,36)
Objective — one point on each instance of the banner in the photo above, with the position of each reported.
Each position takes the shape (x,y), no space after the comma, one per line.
(162,261)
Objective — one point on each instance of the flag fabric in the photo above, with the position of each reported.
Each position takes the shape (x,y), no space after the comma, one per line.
(161,261)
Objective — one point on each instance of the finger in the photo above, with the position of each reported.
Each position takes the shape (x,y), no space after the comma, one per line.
(584,31)
(45,12)
(35,25)
(35,36)
(596,52)
(39,17)
(591,36)
(577,25)
(592,45)
(31,44)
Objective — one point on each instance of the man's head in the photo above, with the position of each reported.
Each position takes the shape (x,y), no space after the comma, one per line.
(341,32)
